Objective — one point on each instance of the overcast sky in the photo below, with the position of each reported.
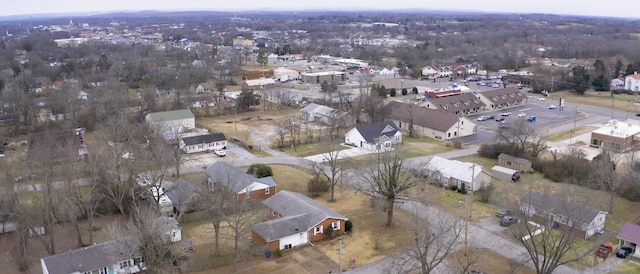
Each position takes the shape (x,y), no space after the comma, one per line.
(621,8)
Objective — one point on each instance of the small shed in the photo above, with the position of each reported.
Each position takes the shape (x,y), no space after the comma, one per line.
(512,162)
(505,173)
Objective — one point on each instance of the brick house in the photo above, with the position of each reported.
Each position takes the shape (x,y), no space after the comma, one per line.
(295,220)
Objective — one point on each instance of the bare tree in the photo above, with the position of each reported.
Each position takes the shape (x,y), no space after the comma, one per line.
(240,219)
(388,178)
(435,238)
(330,168)
(549,234)
(604,176)
(523,138)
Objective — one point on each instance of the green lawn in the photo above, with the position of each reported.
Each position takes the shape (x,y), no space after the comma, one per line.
(421,146)
(314,148)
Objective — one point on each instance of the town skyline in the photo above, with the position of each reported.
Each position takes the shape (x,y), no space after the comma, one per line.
(76,7)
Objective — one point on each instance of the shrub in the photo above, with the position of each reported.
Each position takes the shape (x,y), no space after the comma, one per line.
(392,92)
(278,252)
(329,231)
(415,90)
(260,170)
(404,92)
(348,226)
(317,186)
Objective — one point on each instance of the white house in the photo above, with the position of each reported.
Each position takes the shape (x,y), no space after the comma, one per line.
(118,256)
(428,122)
(171,121)
(632,82)
(374,137)
(326,115)
(455,173)
(201,143)
(583,220)
(630,236)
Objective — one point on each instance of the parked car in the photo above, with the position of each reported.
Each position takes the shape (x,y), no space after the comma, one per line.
(540,99)
(531,119)
(624,251)
(499,119)
(604,250)
(552,107)
(507,221)
(505,114)
(491,117)
(220,152)
(522,114)
(482,118)
(503,212)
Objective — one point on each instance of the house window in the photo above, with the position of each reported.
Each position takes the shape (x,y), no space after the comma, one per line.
(318,230)
(335,225)
(266,191)
(509,163)
(124,264)
(287,246)
(200,146)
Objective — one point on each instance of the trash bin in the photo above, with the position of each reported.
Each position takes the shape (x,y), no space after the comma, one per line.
(268,254)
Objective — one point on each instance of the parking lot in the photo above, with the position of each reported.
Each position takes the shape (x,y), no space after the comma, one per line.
(545,118)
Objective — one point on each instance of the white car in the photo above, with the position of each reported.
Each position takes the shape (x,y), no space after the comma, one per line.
(552,107)
(522,114)
(482,118)
(505,114)
(220,152)
(540,99)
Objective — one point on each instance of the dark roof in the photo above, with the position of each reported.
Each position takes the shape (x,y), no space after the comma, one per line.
(503,95)
(548,204)
(513,158)
(204,139)
(422,116)
(94,256)
(630,232)
(299,213)
(233,177)
(457,103)
(182,193)
(372,132)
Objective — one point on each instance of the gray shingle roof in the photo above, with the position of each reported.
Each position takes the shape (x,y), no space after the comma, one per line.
(182,193)
(93,257)
(204,139)
(233,177)
(299,213)
(547,204)
(457,103)
(503,95)
(372,132)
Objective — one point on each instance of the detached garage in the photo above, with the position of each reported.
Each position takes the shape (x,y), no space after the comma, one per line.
(505,174)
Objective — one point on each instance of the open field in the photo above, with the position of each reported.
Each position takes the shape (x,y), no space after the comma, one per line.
(621,102)
(420,146)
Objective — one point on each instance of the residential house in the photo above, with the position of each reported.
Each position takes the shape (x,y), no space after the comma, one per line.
(375,137)
(117,256)
(225,177)
(464,70)
(629,235)
(430,71)
(170,228)
(203,142)
(428,122)
(283,96)
(617,82)
(512,162)
(448,173)
(454,101)
(174,121)
(632,82)
(319,77)
(615,136)
(560,213)
(202,88)
(326,115)
(495,99)
(295,220)
(258,84)
(184,196)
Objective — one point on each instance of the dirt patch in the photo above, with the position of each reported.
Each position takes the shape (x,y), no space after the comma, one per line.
(487,261)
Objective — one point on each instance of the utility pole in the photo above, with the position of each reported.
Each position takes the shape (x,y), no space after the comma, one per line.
(340,254)
(574,124)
